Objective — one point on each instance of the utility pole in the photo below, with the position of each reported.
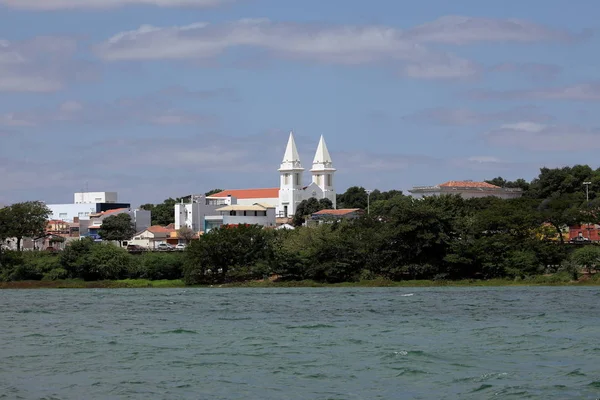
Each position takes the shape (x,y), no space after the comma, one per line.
(587,204)
(369,201)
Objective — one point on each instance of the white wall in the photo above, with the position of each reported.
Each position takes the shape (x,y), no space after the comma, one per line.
(94,197)
(192,215)
(67,212)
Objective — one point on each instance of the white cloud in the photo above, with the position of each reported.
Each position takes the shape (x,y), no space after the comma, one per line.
(466,117)
(153,108)
(41,64)
(578,92)
(539,137)
(460,30)
(49,5)
(341,44)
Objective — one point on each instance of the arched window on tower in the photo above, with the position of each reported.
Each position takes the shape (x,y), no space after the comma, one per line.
(329,180)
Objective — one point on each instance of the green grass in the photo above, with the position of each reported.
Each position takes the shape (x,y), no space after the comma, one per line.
(540,280)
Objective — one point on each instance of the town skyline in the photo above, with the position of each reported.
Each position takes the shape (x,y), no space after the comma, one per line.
(154,99)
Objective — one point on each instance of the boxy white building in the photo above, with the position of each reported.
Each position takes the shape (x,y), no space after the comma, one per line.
(238,214)
(94,197)
(193,214)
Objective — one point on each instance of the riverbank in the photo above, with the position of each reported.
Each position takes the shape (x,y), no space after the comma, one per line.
(542,280)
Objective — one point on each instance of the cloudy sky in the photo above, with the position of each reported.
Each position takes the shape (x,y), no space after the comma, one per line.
(162,98)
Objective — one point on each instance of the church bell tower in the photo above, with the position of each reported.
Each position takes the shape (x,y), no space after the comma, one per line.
(322,171)
(290,185)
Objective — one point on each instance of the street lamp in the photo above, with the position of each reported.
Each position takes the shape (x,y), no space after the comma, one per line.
(587,191)
(587,203)
(369,201)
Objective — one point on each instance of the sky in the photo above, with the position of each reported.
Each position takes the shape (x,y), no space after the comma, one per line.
(163,98)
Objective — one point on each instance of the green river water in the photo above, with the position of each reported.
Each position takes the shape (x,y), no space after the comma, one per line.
(301,343)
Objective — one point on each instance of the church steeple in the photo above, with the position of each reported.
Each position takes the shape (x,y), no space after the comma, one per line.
(322,171)
(322,158)
(290,183)
(291,159)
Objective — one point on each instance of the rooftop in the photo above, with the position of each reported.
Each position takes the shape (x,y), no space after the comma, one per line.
(341,211)
(239,207)
(469,184)
(268,193)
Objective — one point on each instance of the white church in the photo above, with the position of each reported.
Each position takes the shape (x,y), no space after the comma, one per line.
(291,189)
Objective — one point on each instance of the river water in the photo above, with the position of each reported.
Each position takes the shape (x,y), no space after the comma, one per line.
(313,343)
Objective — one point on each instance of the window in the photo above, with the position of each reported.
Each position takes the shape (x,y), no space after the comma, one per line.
(245,213)
(285,211)
(286,179)
(319,180)
(297,179)
(329,180)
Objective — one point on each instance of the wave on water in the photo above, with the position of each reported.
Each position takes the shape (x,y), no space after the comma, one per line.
(407,295)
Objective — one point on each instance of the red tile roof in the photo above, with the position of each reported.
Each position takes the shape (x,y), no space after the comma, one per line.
(160,229)
(270,193)
(341,211)
(469,184)
(113,211)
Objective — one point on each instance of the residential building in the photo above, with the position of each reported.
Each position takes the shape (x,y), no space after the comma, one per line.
(584,232)
(466,189)
(86,204)
(193,214)
(152,236)
(238,214)
(291,189)
(141,220)
(94,197)
(336,215)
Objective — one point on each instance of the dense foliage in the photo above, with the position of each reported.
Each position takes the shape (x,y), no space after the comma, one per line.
(439,238)
(118,227)
(84,259)
(21,220)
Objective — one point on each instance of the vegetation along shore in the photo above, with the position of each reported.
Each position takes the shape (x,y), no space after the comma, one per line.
(437,240)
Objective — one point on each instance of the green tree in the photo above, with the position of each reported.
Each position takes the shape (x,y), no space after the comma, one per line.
(562,210)
(244,248)
(186,234)
(28,219)
(117,227)
(587,256)
(308,207)
(353,197)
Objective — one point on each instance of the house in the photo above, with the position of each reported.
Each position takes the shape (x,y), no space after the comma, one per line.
(239,214)
(584,232)
(291,190)
(141,220)
(466,189)
(336,215)
(154,235)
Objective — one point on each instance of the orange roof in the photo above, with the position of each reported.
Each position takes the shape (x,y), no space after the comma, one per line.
(113,211)
(270,193)
(160,229)
(469,184)
(341,211)
(57,221)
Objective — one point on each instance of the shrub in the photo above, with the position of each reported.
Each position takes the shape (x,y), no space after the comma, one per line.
(157,266)
(56,274)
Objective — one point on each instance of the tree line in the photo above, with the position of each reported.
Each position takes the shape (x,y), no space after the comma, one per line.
(444,237)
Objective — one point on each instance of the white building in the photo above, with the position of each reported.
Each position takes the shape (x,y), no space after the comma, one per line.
(193,214)
(152,236)
(466,189)
(291,189)
(236,214)
(141,219)
(86,204)
(94,197)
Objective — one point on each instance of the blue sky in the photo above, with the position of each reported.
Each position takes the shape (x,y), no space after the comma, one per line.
(162,98)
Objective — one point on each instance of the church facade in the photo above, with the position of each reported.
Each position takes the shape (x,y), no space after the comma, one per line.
(292,189)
